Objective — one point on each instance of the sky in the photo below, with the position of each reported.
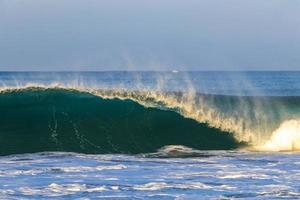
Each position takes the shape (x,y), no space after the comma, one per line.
(149,35)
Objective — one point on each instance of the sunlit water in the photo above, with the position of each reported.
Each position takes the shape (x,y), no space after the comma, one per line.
(203,175)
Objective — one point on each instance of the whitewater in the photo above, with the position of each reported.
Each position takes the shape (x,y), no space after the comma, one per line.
(207,134)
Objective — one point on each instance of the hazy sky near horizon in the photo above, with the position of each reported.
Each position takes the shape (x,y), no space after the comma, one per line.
(149,35)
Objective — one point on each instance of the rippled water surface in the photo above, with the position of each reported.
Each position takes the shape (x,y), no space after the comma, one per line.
(212,175)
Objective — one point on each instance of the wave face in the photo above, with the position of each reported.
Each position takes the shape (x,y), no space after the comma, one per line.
(56,119)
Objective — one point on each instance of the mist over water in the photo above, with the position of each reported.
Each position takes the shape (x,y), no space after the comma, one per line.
(267,83)
(253,106)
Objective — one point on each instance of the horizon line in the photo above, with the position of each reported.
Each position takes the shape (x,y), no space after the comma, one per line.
(174,70)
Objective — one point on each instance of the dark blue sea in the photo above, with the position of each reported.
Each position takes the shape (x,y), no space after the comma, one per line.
(150,135)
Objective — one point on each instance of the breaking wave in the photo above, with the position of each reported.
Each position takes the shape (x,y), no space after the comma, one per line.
(55,118)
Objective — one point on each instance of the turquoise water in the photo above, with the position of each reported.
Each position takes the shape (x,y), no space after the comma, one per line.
(149,135)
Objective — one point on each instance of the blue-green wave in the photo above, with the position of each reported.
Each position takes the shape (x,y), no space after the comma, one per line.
(37,119)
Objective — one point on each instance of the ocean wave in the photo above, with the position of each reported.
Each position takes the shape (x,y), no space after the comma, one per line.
(59,119)
(91,120)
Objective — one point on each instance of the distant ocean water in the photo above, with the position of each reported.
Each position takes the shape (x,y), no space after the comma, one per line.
(149,135)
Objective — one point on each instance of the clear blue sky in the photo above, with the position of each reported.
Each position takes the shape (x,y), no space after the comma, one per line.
(149,34)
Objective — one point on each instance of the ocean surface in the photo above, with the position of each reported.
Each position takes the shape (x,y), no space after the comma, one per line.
(149,135)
